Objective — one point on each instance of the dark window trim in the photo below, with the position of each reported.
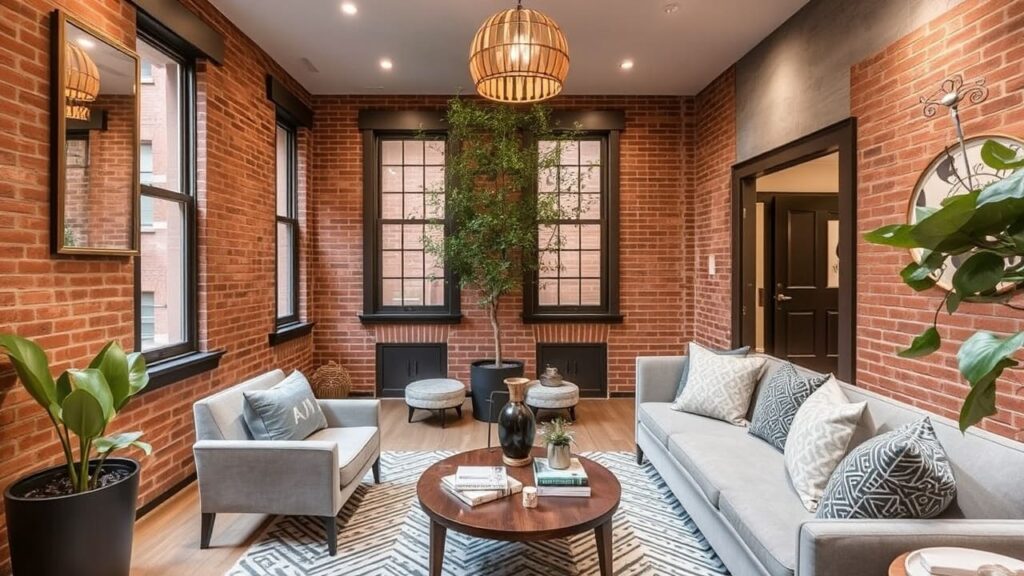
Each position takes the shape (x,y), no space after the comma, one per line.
(179,368)
(186,32)
(289,106)
(160,357)
(609,311)
(290,332)
(373,311)
(291,220)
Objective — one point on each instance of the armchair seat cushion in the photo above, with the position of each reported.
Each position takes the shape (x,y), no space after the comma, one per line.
(357,447)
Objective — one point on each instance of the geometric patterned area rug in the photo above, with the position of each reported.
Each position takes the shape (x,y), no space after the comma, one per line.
(383,532)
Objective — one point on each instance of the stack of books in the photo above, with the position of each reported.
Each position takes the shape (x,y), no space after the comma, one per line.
(572,481)
(475,485)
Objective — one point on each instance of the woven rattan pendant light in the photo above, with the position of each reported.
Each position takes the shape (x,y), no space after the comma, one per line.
(81,82)
(519,55)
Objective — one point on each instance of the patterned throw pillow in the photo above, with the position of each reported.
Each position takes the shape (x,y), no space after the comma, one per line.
(900,474)
(818,439)
(719,386)
(777,402)
(286,411)
(742,351)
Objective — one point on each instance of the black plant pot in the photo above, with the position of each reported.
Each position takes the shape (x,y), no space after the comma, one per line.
(87,534)
(484,378)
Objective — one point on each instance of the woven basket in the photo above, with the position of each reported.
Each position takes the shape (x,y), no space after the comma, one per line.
(331,381)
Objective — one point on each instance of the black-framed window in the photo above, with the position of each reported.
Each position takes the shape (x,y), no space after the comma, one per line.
(166,278)
(577,276)
(287,251)
(404,173)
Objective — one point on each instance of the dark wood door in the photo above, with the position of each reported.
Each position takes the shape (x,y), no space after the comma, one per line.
(585,365)
(400,364)
(805,296)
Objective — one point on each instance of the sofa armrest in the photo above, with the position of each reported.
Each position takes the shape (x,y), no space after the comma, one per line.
(351,413)
(299,477)
(858,547)
(657,378)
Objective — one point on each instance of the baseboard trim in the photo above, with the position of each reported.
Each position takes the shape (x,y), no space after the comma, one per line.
(164,496)
(622,395)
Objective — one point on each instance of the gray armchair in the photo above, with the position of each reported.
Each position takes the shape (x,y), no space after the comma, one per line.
(311,477)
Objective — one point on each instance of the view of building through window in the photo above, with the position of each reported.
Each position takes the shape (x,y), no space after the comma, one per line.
(287,226)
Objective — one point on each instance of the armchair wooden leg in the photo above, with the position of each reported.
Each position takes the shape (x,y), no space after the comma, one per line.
(331,532)
(206,531)
(376,471)
(639,455)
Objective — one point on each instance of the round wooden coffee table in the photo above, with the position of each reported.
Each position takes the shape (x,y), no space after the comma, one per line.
(506,519)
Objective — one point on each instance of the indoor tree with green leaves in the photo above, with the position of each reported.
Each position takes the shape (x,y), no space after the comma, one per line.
(984,230)
(490,202)
(81,403)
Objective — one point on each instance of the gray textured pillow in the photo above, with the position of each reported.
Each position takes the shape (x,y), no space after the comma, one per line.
(287,411)
(742,351)
(778,401)
(900,474)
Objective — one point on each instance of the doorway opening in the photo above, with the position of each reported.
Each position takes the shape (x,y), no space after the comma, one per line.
(794,232)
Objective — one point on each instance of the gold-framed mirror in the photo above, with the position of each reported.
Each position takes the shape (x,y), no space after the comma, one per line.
(95,148)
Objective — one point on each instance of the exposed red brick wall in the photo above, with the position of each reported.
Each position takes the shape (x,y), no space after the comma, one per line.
(895,144)
(74,305)
(651,260)
(709,216)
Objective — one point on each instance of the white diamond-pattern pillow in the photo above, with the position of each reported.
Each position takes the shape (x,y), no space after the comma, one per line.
(818,439)
(718,386)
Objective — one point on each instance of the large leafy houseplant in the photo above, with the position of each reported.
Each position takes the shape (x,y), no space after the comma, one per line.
(81,403)
(491,173)
(984,230)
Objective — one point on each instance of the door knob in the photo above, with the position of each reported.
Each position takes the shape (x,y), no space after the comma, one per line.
(780,297)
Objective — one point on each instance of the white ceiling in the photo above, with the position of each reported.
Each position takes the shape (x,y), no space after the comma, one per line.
(428,41)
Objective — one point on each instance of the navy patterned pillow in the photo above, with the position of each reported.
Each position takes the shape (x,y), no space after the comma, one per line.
(900,474)
(778,401)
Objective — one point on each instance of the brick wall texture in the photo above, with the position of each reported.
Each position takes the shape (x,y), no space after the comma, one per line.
(676,157)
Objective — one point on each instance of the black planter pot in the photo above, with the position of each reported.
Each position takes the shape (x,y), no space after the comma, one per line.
(87,534)
(485,378)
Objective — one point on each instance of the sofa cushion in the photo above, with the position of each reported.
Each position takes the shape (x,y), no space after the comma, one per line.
(767,518)
(719,459)
(287,411)
(719,386)
(741,351)
(900,474)
(778,401)
(663,421)
(356,446)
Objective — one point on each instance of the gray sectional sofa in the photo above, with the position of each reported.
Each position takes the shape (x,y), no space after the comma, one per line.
(735,487)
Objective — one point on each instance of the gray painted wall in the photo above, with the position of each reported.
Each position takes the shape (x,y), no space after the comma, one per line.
(797,80)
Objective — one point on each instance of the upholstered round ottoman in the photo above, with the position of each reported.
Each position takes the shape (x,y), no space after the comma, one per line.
(435,394)
(564,397)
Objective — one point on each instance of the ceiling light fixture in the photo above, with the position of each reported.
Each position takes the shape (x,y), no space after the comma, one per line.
(519,55)
(81,82)
(671,7)
(626,64)
(386,64)
(85,42)
(349,8)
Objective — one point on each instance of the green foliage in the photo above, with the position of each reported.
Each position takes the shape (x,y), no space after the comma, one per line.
(489,199)
(985,230)
(558,433)
(82,402)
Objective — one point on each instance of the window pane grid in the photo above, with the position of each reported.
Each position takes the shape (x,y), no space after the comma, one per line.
(411,171)
(287,249)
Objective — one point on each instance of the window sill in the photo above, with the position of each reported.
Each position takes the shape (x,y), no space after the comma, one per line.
(176,369)
(400,318)
(581,318)
(287,332)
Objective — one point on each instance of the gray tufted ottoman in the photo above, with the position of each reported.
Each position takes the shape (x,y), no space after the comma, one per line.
(435,394)
(564,397)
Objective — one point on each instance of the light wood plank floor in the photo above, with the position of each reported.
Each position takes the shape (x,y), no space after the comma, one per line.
(167,539)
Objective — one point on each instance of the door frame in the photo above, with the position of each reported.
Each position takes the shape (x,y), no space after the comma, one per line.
(840,137)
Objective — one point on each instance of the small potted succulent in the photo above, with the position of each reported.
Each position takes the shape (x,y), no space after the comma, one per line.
(77,518)
(559,438)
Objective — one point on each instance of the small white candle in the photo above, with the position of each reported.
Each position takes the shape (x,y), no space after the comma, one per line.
(529,497)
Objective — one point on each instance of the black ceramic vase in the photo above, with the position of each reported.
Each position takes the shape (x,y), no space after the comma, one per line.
(516,426)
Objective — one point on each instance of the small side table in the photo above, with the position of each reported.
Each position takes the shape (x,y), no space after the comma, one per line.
(899,565)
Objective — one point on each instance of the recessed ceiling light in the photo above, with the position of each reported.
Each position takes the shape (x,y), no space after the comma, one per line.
(85,42)
(626,64)
(386,64)
(671,7)
(349,8)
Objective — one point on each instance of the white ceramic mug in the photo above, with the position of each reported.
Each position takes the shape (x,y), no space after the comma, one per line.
(529,497)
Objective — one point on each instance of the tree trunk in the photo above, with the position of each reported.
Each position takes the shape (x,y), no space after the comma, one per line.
(492,314)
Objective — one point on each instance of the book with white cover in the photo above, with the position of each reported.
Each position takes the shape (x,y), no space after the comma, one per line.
(481,478)
(477,497)
(570,491)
